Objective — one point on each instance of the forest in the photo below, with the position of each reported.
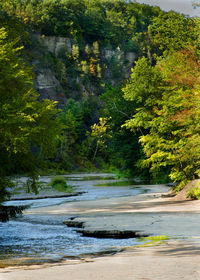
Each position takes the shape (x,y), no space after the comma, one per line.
(127,94)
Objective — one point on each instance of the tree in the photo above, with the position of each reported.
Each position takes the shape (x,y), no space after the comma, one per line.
(173,31)
(100,133)
(28,127)
(167,98)
(74,147)
(122,148)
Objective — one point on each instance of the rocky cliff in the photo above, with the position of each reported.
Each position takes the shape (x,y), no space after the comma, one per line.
(65,68)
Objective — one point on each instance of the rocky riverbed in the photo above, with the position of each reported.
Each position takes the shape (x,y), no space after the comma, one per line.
(53,227)
(113,219)
(41,234)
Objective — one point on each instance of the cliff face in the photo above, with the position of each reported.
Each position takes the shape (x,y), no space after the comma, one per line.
(66,69)
(55,44)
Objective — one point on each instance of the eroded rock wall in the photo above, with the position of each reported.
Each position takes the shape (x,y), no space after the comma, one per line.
(114,65)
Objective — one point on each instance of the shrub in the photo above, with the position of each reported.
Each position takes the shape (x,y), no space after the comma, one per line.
(59,184)
(194,193)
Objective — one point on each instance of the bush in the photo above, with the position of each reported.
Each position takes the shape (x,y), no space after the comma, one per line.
(59,184)
(194,193)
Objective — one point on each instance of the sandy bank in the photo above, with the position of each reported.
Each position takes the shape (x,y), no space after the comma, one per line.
(172,261)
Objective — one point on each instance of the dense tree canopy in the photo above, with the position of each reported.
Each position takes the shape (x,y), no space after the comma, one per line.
(165,88)
(167,97)
(123,147)
(173,31)
(113,22)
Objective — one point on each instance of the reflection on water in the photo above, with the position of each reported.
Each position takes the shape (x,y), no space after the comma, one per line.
(42,238)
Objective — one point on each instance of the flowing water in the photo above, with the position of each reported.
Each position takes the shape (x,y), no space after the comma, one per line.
(33,239)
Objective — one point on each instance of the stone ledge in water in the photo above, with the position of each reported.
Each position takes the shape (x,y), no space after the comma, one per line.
(76,224)
(116,234)
(57,195)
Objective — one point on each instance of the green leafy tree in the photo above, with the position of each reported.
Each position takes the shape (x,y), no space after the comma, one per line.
(75,52)
(113,22)
(100,133)
(77,118)
(28,127)
(173,31)
(167,98)
(122,148)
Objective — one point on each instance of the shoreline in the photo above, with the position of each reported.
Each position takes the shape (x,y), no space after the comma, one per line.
(169,261)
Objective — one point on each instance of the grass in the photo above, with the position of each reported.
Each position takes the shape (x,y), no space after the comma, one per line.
(118,184)
(91,178)
(153,240)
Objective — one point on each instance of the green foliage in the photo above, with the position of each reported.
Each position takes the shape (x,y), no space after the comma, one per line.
(61,71)
(32,184)
(123,148)
(194,193)
(85,67)
(75,52)
(107,21)
(173,31)
(57,180)
(5,185)
(74,147)
(7,212)
(167,98)
(161,176)
(115,66)
(29,127)
(23,118)
(100,134)
(159,104)
(118,184)
(59,184)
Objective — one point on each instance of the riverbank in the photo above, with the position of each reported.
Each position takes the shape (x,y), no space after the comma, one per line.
(170,261)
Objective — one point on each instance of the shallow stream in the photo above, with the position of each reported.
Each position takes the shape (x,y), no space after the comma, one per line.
(33,239)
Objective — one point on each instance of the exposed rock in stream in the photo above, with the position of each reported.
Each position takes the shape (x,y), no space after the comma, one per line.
(33,197)
(116,234)
(76,224)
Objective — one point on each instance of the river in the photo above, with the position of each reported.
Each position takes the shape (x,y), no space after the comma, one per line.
(39,238)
